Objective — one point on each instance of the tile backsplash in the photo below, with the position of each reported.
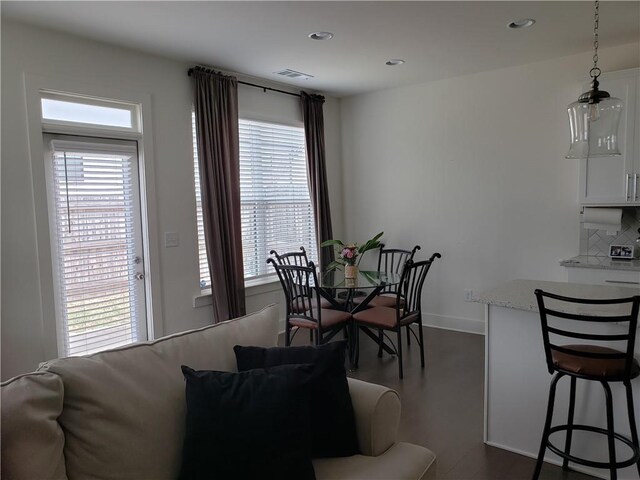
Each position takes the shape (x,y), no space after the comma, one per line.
(596,242)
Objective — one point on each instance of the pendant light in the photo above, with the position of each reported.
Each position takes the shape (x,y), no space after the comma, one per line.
(594,118)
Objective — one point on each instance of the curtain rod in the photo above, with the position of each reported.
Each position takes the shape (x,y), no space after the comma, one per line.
(263,87)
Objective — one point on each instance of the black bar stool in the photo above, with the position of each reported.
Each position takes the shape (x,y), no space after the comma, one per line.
(590,362)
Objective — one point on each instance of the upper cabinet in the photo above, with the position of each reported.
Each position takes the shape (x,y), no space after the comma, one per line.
(616,180)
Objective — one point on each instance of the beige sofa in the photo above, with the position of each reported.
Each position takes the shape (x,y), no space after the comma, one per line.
(120,414)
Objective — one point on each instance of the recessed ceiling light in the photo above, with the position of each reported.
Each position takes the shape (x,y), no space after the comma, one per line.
(522,23)
(321,36)
(394,61)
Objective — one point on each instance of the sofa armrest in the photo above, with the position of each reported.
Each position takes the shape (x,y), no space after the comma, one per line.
(377,414)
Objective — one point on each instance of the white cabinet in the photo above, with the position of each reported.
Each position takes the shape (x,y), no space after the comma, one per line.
(596,276)
(616,180)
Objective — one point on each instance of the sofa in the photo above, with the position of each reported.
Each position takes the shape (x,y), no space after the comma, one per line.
(120,414)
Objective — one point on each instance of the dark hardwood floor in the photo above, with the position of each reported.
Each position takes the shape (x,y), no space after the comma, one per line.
(442,406)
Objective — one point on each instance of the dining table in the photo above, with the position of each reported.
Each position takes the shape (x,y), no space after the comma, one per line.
(342,293)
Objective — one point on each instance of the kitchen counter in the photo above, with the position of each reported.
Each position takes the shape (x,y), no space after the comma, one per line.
(517,379)
(604,263)
(519,294)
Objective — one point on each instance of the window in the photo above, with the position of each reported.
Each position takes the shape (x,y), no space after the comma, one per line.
(95,221)
(274,194)
(205,278)
(76,111)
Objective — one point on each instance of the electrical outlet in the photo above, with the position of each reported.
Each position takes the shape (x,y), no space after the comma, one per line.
(468,295)
(171,239)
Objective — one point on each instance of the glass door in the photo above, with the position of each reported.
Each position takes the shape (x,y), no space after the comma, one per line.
(97,245)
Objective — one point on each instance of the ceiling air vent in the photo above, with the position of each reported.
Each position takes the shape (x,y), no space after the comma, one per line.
(287,72)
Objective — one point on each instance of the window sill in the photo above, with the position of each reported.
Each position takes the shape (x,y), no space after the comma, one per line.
(253,287)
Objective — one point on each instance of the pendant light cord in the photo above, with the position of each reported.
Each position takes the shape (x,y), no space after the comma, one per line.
(595,71)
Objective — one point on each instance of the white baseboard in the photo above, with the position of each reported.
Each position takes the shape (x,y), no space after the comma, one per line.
(467,325)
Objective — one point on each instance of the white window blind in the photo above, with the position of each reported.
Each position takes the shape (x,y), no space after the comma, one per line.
(274,194)
(94,215)
(205,278)
(275,204)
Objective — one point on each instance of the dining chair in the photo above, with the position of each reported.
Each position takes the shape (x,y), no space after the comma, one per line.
(303,304)
(406,311)
(292,258)
(391,260)
(300,258)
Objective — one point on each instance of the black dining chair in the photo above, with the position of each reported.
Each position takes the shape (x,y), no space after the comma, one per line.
(566,317)
(300,258)
(303,304)
(292,258)
(406,311)
(391,260)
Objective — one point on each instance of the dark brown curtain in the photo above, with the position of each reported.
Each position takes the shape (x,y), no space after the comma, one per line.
(216,107)
(313,118)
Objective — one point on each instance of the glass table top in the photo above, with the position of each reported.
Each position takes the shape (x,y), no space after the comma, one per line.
(365,279)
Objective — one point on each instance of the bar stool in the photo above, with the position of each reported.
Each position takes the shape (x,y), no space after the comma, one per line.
(589,362)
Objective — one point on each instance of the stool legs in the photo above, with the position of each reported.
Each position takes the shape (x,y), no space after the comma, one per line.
(632,419)
(547,425)
(572,405)
(610,430)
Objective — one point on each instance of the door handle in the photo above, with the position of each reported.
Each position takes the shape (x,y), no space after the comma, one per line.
(626,186)
(635,187)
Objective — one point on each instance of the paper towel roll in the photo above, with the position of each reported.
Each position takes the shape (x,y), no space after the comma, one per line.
(609,219)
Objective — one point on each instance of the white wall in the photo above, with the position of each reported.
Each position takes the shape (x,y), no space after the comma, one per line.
(472,167)
(35,51)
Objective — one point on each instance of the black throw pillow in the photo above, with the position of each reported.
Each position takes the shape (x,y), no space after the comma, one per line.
(333,421)
(251,424)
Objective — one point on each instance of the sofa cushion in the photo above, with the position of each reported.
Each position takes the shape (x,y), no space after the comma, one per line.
(334,429)
(253,424)
(32,440)
(124,409)
(403,461)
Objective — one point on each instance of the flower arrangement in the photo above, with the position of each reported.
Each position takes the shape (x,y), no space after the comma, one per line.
(351,254)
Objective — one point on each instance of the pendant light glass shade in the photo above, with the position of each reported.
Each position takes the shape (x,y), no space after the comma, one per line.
(593,128)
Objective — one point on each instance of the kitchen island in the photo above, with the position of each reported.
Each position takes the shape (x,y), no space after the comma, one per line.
(517,380)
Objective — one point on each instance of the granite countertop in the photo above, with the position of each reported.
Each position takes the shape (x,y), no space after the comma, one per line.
(518,294)
(605,263)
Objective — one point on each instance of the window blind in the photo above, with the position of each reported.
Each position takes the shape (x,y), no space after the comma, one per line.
(95,240)
(274,194)
(205,278)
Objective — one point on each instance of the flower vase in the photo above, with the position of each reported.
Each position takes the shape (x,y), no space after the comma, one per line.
(350,271)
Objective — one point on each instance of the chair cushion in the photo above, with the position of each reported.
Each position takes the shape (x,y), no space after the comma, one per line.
(334,428)
(593,367)
(329,318)
(383,300)
(253,424)
(324,303)
(32,440)
(137,393)
(382,317)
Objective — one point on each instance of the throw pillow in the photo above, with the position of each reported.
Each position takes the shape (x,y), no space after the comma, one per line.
(333,428)
(251,424)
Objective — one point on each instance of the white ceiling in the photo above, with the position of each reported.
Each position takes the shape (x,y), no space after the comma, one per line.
(437,39)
